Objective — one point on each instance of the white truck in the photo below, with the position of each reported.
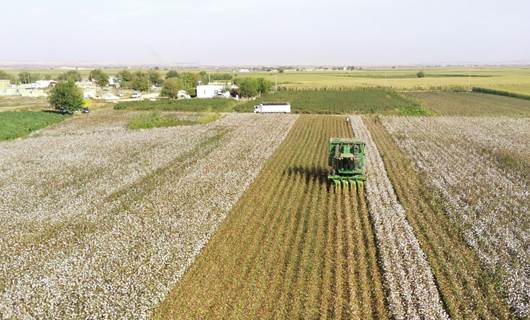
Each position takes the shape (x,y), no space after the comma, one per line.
(273,107)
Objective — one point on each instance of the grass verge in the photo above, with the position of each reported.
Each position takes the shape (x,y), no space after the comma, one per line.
(157,120)
(468,292)
(190,105)
(19,124)
(289,248)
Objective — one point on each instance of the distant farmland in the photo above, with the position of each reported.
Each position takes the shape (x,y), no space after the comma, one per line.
(362,100)
(471,104)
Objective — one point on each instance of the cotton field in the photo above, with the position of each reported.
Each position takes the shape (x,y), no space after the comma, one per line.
(99,220)
(411,291)
(474,164)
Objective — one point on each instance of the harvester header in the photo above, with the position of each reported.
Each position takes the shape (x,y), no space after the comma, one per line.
(346,159)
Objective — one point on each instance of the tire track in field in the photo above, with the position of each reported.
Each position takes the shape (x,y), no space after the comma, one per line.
(289,248)
(408,279)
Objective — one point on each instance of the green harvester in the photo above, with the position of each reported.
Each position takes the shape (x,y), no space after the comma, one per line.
(346,159)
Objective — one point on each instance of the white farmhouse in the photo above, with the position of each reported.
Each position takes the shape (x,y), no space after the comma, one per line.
(8,89)
(211,91)
(89,89)
(114,82)
(45,84)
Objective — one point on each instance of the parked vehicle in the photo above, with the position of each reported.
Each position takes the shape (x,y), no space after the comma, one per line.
(273,107)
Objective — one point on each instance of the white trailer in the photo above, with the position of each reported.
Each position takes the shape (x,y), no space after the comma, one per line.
(273,107)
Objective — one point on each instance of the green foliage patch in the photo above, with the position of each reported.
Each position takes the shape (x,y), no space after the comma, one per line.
(189,105)
(501,93)
(18,124)
(158,120)
(357,101)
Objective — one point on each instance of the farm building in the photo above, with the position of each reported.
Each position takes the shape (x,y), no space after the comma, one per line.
(45,84)
(114,82)
(212,91)
(7,89)
(89,89)
(31,90)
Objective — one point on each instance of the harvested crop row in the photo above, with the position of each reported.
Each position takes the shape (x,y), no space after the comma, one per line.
(488,201)
(117,256)
(411,290)
(290,248)
(468,291)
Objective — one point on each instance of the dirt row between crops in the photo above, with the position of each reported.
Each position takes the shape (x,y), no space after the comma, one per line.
(409,282)
(102,223)
(290,248)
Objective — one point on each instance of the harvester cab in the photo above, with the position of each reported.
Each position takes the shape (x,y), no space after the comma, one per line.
(346,159)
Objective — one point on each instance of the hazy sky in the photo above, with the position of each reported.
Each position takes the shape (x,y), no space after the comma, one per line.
(357,32)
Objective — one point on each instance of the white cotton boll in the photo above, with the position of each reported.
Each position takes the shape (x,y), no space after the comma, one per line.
(118,233)
(407,276)
(491,203)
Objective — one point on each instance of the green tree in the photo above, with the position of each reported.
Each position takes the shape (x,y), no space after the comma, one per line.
(203,77)
(248,87)
(25,77)
(189,80)
(172,74)
(171,88)
(6,76)
(72,75)
(155,78)
(221,76)
(140,81)
(420,74)
(125,77)
(264,86)
(100,77)
(66,97)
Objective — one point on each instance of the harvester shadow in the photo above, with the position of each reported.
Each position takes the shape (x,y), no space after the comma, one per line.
(316,174)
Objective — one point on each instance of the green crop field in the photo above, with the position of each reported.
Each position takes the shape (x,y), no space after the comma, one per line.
(471,104)
(361,100)
(191,105)
(18,124)
(503,78)
(157,120)
(10,103)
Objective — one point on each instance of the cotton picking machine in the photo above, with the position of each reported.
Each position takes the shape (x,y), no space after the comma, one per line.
(346,159)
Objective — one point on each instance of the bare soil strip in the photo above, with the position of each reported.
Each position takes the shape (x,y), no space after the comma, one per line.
(409,282)
(290,248)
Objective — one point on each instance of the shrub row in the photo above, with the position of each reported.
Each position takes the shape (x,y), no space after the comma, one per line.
(501,93)
(191,105)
